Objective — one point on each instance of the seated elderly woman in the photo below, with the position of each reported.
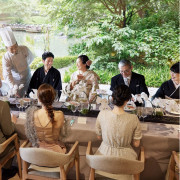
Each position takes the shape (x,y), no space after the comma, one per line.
(170,88)
(83,80)
(43,125)
(118,128)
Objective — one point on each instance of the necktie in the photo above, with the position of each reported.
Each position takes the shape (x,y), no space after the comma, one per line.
(126,81)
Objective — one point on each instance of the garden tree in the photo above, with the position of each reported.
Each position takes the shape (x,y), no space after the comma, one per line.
(125,9)
(79,12)
(73,13)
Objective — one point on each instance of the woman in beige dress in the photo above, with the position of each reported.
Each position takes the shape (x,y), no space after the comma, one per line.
(83,81)
(118,129)
(43,125)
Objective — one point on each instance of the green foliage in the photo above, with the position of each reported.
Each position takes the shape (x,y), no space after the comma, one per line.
(67,75)
(158,45)
(65,13)
(156,20)
(154,75)
(59,62)
(37,62)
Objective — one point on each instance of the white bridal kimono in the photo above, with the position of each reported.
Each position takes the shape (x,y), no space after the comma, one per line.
(88,84)
(16,69)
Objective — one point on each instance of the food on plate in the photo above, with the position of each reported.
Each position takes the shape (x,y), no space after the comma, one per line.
(130,107)
(26,99)
(71,103)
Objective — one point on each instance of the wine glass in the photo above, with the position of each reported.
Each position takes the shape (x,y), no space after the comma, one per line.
(139,113)
(26,104)
(21,102)
(80,107)
(144,113)
(110,101)
(73,108)
(18,105)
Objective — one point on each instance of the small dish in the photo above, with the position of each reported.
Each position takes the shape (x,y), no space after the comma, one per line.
(129,108)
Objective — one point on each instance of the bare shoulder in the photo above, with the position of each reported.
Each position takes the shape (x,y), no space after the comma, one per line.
(58,113)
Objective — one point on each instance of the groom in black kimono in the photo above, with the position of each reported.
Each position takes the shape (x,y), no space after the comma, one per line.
(136,82)
(46,74)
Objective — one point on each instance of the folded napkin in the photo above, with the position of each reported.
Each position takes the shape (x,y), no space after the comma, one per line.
(169,105)
(33,95)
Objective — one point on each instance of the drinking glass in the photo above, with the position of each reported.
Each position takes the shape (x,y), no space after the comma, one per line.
(21,102)
(110,101)
(144,113)
(25,104)
(139,113)
(73,108)
(18,105)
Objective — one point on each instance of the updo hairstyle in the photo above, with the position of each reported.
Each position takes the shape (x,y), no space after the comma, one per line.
(175,67)
(120,95)
(46,95)
(84,59)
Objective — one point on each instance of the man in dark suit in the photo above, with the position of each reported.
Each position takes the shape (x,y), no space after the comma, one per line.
(136,82)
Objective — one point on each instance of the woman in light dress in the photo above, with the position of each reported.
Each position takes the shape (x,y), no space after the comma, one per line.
(43,125)
(84,82)
(119,129)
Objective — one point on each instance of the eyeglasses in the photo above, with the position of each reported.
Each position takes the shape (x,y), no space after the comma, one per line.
(125,72)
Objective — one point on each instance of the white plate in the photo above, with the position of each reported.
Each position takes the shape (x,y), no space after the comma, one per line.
(174,113)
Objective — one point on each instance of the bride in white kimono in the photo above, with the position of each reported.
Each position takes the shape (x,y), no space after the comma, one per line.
(84,82)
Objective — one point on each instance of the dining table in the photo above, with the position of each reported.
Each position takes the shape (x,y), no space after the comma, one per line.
(159,139)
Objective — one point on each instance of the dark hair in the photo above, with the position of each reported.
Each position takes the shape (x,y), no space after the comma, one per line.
(46,95)
(84,59)
(175,67)
(47,54)
(121,94)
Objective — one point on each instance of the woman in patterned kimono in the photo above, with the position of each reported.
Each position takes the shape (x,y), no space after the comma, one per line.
(84,82)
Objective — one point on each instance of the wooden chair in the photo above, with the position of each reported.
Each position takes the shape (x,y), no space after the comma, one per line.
(42,164)
(174,162)
(12,152)
(113,167)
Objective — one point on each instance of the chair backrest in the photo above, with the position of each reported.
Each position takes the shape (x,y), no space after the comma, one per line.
(43,157)
(114,165)
(7,142)
(2,148)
